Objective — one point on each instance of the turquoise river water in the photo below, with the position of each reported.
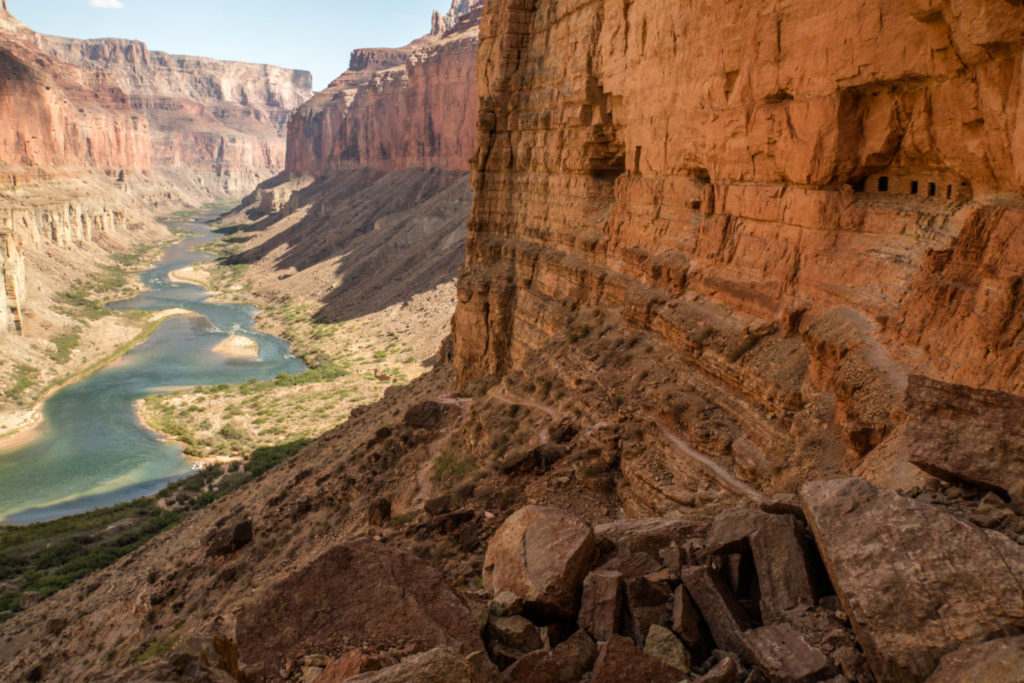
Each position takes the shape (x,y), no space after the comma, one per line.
(92,451)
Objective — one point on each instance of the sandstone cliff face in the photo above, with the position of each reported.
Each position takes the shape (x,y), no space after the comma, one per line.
(795,204)
(224,119)
(396,108)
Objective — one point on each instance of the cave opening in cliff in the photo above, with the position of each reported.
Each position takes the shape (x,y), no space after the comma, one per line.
(883,184)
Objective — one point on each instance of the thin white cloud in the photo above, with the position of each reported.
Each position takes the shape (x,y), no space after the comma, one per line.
(107,4)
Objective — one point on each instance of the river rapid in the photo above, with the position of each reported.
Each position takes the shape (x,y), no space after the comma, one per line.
(92,451)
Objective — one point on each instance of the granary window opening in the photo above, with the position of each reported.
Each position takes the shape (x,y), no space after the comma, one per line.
(931,189)
(913,187)
(883,184)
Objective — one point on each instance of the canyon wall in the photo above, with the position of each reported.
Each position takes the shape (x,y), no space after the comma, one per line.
(95,135)
(792,205)
(396,108)
(372,207)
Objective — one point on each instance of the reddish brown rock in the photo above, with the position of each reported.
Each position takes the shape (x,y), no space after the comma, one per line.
(915,581)
(396,108)
(352,663)
(568,661)
(685,617)
(996,661)
(646,603)
(783,656)
(763,219)
(601,604)
(650,536)
(439,665)
(620,660)
(724,616)
(542,555)
(509,638)
(966,435)
(775,543)
(355,593)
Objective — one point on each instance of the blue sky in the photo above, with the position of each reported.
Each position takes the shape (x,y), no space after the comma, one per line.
(316,35)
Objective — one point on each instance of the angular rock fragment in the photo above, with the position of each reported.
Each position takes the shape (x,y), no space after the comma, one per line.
(915,581)
(440,665)
(724,616)
(352,663)
(227,540)
(620,660)
(685,617)
(540,554)
(569,661)
(509,638)
(996,661)
(601,605)
(649,536)
(963,434)
(727,670)
(779,558)
(662,644)
(783,656)
(646,603)
(340,597)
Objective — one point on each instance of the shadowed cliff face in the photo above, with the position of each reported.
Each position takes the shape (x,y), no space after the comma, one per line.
(389,142)
(796,211)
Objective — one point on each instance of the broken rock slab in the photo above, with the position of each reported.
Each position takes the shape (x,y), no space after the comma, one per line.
(649,536)
(568,661)
(354,593)
(620,660)
(601,604)
(724,616)
(996,661)
(916,581)
(783,656)
(440,665)
(542,555)
(963,434)
(775,542)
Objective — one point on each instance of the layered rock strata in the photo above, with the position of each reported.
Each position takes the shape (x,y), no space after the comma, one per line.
(794,205)
(398,108)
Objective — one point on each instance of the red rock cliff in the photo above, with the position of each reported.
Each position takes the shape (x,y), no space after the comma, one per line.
(795,204)
(396,108)
(115,104)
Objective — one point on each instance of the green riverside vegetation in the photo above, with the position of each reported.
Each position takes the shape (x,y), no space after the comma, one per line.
(48,556)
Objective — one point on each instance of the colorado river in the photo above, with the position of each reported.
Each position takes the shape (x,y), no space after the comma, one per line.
(92,451)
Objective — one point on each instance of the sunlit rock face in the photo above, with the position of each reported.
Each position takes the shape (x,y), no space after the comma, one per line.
(795,204)
(396,108)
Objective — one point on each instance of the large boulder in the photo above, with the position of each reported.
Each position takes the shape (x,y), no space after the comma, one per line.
(356,593)
(916,581)
(963,434)
(540,554)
